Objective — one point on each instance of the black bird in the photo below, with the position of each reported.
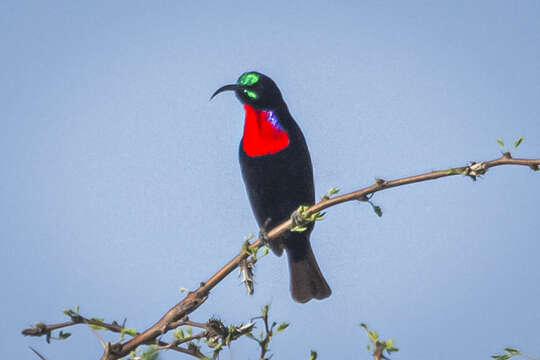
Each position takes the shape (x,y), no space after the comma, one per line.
(278,175)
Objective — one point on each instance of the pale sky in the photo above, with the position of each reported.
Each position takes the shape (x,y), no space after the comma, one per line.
(121,181)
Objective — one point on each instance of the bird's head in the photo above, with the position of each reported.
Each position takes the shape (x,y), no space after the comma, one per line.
(255,89)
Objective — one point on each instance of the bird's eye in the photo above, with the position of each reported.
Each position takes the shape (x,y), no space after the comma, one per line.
(248,79)
(251,94)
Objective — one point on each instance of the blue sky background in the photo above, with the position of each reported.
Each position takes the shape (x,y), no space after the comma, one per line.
(121,182)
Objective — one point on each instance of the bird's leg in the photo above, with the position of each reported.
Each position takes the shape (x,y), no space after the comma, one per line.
(263,234)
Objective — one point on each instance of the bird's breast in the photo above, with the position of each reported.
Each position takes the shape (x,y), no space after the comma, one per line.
(263,134)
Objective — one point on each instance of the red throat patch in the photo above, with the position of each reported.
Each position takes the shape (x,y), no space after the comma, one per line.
(262,133)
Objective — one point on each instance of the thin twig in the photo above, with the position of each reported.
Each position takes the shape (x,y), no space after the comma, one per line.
(41,329)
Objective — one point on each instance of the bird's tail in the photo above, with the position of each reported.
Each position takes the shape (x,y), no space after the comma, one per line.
(307,281)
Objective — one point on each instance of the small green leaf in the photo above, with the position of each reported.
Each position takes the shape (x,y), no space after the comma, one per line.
(282,327)
(229,334)
(70,312)
(313,355)
(63,335)
(328,195)
(501,357)
(518,142)
(512,351)
(254,251)
(264,311)
(245,247)
(299,229)
(189,331)
(131,332)
(265,251)
(319,216)
(364,325)
(333,191)
(183,290)
(373,336)
(500,142)
(151,353)
(96,327)
(389,346)
(377,210)
(179,334)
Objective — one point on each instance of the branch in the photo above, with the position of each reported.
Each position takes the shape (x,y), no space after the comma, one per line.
(197,297)
(41,329)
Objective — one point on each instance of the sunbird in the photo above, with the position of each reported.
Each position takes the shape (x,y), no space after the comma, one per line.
(278,174)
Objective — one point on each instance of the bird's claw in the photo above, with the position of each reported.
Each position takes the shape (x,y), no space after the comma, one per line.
(297,218)
(263,234)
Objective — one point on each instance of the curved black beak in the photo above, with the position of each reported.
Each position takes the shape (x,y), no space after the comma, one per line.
(232,87)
